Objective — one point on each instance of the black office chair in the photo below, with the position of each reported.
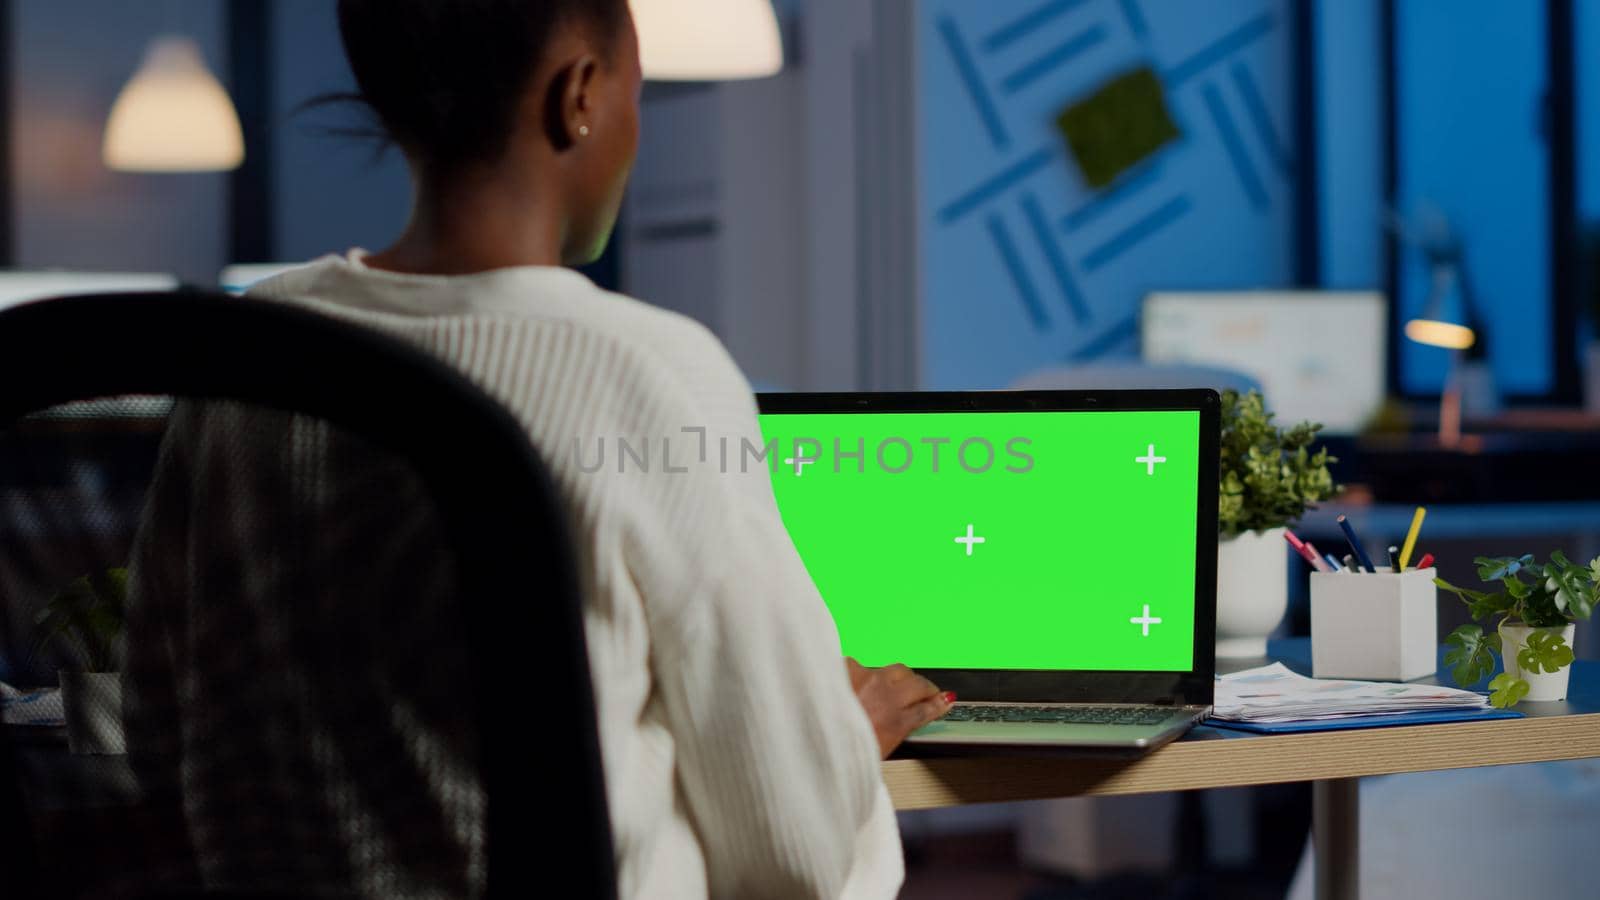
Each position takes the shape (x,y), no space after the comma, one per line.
(354,652)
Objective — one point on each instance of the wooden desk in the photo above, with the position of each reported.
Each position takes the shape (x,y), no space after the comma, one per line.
(1334,761)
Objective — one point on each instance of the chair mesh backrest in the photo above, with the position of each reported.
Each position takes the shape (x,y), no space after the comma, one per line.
(299,704)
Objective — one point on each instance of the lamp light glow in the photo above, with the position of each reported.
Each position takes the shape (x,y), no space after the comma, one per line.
(1435,333)
(708,40)
(173,116)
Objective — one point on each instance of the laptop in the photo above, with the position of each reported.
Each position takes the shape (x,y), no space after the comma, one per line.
(1050,556)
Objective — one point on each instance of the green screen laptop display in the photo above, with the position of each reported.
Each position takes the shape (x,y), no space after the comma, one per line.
(997,540)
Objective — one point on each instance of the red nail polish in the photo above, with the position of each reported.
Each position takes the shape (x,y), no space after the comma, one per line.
(949,696)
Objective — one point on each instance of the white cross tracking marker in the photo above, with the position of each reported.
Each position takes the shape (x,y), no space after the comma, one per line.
(969,540)
(1150,460)
(1146,620)
(799,463)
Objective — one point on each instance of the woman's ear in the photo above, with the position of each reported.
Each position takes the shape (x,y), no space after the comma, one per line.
(569,113)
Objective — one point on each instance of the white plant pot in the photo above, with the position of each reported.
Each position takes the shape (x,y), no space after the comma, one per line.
(1542,686)
(1252,592)
(92,705)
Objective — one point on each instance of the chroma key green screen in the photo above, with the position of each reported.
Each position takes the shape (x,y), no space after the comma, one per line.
(997,540)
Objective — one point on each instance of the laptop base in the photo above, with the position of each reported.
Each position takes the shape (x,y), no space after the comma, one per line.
(1174,723)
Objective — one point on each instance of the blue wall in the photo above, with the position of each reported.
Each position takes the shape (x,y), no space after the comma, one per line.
(1472,76)
(1023,265)
(333,192)
(1350,97)
(1588,56)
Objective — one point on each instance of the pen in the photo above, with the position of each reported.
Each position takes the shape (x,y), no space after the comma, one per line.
(1394,558)
(1411,537)
(1355,544)
(1350,563)
(1334,560)
(1425,561)
(1316,559)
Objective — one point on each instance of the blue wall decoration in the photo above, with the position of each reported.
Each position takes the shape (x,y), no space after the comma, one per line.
(1023,264)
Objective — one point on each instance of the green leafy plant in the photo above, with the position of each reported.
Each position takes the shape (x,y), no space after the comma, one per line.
(1547,595)
(89,615)
(1270,475)
(1505,691)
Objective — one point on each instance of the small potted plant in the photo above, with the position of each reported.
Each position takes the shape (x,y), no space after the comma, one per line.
(1537,606)
(1270,477)
(87,616)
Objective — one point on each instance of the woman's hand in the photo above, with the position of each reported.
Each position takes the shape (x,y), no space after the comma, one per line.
(897,700)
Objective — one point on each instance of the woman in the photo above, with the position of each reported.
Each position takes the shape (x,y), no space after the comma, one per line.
(741,752)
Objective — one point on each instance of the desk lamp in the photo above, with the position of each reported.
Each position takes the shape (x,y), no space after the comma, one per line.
(1447,323)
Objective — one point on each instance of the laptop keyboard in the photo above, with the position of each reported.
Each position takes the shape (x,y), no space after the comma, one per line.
(1071,715)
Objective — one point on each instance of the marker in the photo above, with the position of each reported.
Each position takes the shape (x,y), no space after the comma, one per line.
(1334,560)
(1355,544)
(1411,537)
(1301,548)
(1316,559)
(1425,561)
(1350,563)
(1394,558)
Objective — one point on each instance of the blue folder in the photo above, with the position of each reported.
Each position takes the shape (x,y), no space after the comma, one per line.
(1429,717)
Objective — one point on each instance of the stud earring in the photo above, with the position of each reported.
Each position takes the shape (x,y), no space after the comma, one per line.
(583,131)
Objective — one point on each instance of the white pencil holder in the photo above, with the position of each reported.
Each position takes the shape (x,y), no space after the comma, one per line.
(1374,627)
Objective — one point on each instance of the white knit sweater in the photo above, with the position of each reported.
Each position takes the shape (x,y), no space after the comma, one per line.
(738,763)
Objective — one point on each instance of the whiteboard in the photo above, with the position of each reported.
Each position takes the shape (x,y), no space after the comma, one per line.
(1319,355)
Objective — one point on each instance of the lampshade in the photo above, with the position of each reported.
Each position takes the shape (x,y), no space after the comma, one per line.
(173,116)
(1435,333)
(1447,321)
(708,40)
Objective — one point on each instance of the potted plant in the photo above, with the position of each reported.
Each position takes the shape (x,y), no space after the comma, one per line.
(87,616)
(1270,477)
(1537,606)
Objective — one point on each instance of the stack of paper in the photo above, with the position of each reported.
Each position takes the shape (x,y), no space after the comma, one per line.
(1273,694)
